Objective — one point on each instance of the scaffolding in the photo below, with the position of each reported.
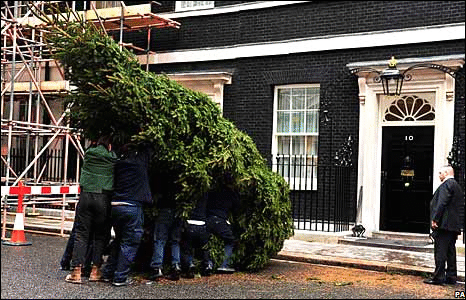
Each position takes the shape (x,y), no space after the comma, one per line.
(38,145)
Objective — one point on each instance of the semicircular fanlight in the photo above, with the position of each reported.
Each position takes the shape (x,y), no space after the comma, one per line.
(409,108)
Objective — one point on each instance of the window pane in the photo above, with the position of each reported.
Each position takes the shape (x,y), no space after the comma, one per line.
(297,167)
(312,124)
(311,145)
(298,145)
(312,98)
(297,122)
(284,145)
(311,167)
(298,98)
(283,122)
(284,96)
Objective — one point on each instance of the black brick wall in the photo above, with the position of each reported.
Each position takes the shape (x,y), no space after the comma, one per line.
(310,19)
(248,101)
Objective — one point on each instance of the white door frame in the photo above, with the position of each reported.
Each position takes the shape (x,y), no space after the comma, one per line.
(370,131)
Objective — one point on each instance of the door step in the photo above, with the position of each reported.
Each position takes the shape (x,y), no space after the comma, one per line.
(393,240)
(402,236)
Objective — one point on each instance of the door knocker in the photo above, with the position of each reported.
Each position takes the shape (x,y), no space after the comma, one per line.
(407,172)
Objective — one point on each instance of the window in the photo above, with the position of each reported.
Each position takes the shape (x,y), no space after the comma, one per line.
(409,108)
(193,5)
(296,133)
(107,4)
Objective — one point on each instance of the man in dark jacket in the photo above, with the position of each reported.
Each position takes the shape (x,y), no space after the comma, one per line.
(131,193)
(195,237)
(446,217)
(220,203)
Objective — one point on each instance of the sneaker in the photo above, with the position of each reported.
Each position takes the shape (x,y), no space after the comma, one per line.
(106,279)
(225,270)
(434,281)
(175,273)
(208,270)
(191,272)
(122,283)
(450,281)
(155,274)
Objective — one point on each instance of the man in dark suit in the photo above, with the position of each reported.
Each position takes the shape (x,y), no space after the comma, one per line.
(446,216)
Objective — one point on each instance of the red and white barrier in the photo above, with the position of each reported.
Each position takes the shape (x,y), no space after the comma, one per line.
(40,190)
(17,236)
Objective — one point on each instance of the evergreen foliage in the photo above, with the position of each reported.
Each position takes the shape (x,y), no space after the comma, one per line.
(193,142)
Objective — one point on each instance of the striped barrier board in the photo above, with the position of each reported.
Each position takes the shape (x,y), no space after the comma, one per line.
(40,190)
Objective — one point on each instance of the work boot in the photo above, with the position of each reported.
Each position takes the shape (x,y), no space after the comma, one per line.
(74,276)
(95,275)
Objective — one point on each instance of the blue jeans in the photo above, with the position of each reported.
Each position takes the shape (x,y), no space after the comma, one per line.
(128,226)
(220,227)
(167,228)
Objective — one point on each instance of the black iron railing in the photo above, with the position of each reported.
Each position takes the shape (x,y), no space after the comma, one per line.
(49,167)
(319,193)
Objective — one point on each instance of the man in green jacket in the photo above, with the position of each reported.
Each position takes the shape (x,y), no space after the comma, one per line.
(92,215)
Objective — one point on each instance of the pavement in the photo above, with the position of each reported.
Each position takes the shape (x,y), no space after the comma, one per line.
(370,254)
(393,253)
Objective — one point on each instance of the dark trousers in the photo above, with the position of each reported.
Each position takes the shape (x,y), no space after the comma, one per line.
(127,223)
(65,261)
(195,237)
(221,228)
(445,253)
(91,224)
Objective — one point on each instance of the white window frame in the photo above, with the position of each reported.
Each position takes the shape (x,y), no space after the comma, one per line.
(296,183)
(193,5)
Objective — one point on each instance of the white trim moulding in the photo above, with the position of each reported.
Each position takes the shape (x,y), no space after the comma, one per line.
(226,9)
(323,43)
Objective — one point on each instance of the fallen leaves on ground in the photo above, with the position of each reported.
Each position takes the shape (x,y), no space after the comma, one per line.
(280,271)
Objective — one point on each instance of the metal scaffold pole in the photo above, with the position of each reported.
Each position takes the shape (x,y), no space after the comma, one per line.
(37,138)
(30,91)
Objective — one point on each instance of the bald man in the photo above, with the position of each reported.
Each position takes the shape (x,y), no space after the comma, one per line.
(446,210)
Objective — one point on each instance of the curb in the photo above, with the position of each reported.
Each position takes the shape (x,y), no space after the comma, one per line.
(358,263)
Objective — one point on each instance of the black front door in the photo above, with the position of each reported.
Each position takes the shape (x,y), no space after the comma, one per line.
(407,168)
